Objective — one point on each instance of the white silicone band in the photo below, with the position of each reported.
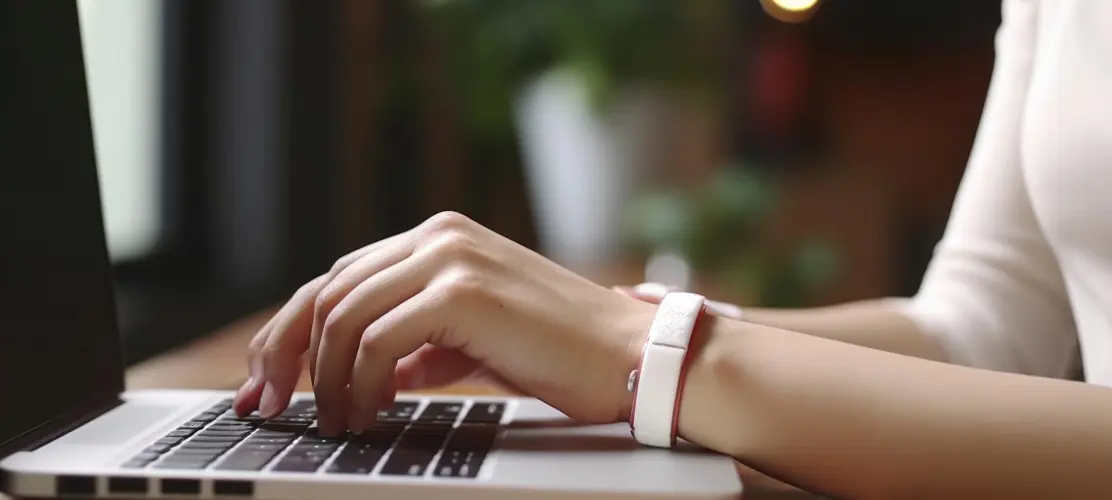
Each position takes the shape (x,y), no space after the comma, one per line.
(658,377)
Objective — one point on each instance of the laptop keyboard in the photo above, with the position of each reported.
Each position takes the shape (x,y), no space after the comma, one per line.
(402,442)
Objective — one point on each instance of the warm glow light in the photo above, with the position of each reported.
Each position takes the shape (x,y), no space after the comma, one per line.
(790,11)
(795,5)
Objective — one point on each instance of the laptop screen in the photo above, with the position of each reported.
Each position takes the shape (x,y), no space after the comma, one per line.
(59,347)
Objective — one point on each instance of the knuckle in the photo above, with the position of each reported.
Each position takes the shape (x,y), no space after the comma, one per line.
(325,301)
(332,323)
(447,220)
(254,349)
(346,260)
(453,245)
(369,342)
(342,263)
(462,284)
(308,289)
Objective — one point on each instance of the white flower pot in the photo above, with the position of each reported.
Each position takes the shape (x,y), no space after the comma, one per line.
(582,166)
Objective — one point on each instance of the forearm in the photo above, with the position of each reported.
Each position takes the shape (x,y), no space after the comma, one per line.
(862,423)
(864,323)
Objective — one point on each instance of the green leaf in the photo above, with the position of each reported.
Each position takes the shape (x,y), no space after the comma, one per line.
(661,220)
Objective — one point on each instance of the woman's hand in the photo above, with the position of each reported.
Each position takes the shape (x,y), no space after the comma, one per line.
(443,301)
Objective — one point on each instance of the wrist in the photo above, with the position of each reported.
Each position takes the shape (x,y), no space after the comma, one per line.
(713,394)
(636,333)
(657,384)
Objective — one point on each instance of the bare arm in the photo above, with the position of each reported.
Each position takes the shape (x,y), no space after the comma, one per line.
(865,323)
(861,423)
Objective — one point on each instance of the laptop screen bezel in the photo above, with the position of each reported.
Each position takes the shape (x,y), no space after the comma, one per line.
(43,40)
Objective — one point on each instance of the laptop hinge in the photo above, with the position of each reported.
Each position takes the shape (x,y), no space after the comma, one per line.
(60,425)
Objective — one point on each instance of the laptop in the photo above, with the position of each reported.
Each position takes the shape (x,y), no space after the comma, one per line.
(68,427)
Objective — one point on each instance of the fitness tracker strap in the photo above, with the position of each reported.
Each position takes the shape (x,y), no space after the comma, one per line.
(657,383)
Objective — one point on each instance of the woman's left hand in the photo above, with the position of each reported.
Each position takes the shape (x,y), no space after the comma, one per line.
(438,303)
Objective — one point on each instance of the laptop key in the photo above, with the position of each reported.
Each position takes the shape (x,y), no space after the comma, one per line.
(226,433)
(400,412)
(261,446)
(207,445)
(146,455)
(207,416)
(243,460)
(383,442)
(193,424)
(214,439)
(441,412)
(197,464)
(197,452)
(311,435)
(283,427)
(200,461)
(407,463)
(169,441)
(472,437)
(298,463)
(136,463)
(180,433)
(157,448)
(356,458)
(485,413)
(276,434)
(283,442)
(226,425)
(459,464)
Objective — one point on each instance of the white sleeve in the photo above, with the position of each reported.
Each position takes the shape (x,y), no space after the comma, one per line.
(993,295)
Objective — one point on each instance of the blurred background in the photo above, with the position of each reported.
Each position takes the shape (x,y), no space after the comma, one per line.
(244,145)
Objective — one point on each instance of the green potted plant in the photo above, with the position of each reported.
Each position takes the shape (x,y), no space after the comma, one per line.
(582,86)
(717,228)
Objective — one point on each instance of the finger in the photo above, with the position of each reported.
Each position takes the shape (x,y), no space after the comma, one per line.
(248,395)
(433,366)
(279,358)
(345,276)
(343,327)
(396,334)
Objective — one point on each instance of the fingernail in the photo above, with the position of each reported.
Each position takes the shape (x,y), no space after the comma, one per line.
(268,404)
(724,309)
(655,290)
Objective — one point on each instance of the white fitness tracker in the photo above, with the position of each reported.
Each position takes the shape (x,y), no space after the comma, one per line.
(657,383)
